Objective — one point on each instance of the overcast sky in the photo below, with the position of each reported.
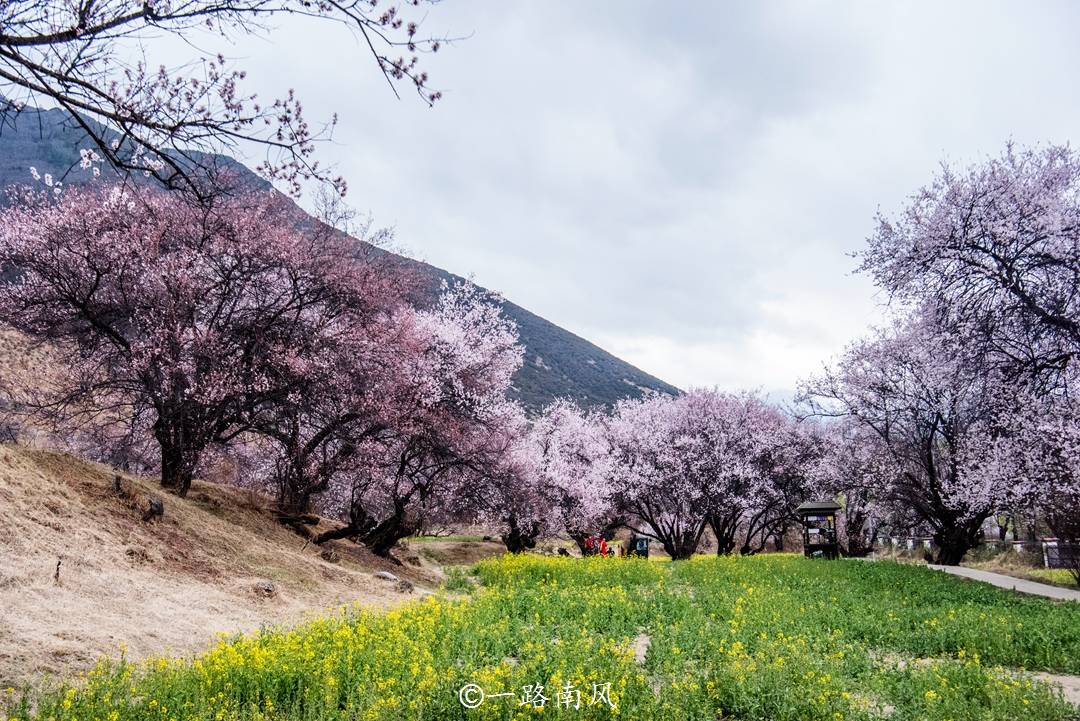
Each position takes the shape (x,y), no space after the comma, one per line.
(681,183)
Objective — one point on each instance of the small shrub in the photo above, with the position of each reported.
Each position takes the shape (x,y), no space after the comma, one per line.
(458,580)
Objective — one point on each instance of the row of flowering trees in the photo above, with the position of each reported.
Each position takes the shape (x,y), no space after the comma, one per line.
(671,468)
(193,329)
(961,410)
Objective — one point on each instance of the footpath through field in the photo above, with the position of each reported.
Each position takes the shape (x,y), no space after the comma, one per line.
(1017,584)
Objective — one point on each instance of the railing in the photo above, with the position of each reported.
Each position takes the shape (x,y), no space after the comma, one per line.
(1052,553)
(1061,555)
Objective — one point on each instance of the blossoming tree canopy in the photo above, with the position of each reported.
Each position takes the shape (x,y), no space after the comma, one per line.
(860,470)
(1031,450)
(927,396)
(447,427)
(994,247)
(183,316)
(987,259)
(573,471)
(706,458)
(165,121)
(339,396)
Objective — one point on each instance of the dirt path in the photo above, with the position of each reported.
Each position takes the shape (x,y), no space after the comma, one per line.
(1070,685)
(1010,582)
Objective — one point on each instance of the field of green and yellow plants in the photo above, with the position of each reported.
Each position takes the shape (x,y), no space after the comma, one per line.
(772,637)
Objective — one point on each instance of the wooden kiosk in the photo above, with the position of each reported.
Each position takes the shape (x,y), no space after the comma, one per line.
(819,529)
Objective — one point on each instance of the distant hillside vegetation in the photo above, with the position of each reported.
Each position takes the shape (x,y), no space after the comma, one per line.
(558,364)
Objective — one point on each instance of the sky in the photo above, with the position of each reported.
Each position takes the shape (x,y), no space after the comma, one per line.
(681,183)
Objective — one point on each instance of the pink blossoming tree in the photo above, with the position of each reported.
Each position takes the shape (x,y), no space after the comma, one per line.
(990,255)
(926,396)
(995,250)
(705,459)
(91,59)
(178,317)
(444,422)
(574,471)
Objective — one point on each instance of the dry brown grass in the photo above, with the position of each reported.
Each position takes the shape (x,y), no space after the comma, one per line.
(458,553)
(165,586)
(25,362)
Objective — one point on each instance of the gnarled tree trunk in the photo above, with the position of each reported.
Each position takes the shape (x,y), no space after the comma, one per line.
(519,539)
(955,540)
(724,526)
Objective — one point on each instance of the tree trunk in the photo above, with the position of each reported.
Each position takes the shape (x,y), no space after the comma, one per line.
(180,449)
(778,537)
(293,501)
(177,468)
(677,551)
(380,538)
(519,540)
(681,546)
(383,537)
(724,528)
(334,534)
(955,541)
(579,539)
(859,543)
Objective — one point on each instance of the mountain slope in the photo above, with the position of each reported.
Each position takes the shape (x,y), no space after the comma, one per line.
(558,364)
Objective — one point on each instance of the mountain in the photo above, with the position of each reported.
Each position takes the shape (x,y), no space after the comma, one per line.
(558,363)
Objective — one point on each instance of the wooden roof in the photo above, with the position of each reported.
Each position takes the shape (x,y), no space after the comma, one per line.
(817,507)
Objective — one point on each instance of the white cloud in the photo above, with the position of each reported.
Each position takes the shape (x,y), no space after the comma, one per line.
(681,183)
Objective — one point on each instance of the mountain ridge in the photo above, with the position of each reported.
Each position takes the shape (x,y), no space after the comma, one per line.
(557,363)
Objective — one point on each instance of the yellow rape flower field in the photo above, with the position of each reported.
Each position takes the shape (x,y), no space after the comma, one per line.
(770,637)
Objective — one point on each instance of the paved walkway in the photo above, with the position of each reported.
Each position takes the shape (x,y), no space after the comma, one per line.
(1016,584)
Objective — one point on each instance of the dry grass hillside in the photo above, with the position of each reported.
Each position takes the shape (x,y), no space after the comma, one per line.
(215,562)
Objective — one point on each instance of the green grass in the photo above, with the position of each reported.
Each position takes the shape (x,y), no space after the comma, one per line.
(778,638)
(458,580)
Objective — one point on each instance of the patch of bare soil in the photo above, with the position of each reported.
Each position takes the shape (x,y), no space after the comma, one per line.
(82,572)
(641,647)
(458,553)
